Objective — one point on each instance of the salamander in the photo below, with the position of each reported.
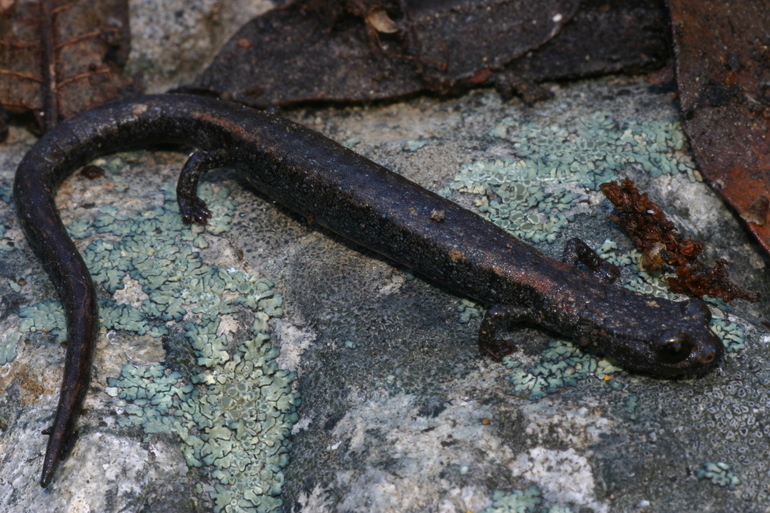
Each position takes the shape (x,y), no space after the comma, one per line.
(363,202)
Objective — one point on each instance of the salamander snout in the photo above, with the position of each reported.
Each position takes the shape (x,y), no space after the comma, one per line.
(687,351)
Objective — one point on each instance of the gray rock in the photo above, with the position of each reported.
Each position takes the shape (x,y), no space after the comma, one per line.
(399,412)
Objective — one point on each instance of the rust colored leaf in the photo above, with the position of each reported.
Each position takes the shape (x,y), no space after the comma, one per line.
(661,243)
(757,211)
(648,226)
(722,53)
(700,280)
(60,57)
(375,49)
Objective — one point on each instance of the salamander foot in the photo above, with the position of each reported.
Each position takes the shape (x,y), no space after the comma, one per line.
(578,251)
(192,208)
(498,348)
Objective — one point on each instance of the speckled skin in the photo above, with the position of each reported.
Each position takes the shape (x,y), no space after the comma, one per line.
(361,201)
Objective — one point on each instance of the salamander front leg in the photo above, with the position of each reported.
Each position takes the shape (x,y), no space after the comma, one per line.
(578,251)
(493,318)
(192,208)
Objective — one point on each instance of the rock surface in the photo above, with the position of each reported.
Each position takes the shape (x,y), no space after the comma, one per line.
(398,410)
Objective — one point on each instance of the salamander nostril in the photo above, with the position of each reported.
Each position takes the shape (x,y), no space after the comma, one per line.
(708,358)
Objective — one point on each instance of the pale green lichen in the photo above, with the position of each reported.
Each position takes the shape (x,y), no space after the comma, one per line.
(559,508)
(235,420)
(234,416)
(351,142)
(517,501)
(8,345)
(468,310)
(5,246)
(733,335)
(414,145)
(718,473)
(534,195)
(6,192)
(523,501)
(80,229)
(632,402)
(560,365)
(44,316)
(640,281)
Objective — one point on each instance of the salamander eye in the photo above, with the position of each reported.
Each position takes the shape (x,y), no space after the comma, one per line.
(674,347)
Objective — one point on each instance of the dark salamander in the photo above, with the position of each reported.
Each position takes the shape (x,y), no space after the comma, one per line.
(363,202)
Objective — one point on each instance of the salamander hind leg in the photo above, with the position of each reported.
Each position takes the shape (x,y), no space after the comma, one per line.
(493,318)
(578,251)
(192,208)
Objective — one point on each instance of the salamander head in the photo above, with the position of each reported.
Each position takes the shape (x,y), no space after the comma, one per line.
(669,339)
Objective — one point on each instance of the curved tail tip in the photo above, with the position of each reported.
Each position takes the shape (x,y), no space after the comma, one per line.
(46,478)
(49,469)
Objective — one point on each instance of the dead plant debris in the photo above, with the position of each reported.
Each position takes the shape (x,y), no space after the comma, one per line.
(661,244)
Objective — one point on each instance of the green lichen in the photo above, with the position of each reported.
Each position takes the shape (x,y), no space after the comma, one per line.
(351,142)
(718,473)
(640,281)
(44,316)
(414,145)
(559,508)
(468,310)
(80,229)
(6,192)
(535,195)
(523,501)
(632,402)
(49,316)
(8,346)
(560,365)
(113,165)
(5,246)
(233,416)
(733,335)
(517,501)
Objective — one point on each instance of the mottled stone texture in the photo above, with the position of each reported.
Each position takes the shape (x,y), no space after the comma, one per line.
(398,410)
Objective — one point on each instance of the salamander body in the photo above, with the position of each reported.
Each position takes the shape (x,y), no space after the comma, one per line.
(363,202)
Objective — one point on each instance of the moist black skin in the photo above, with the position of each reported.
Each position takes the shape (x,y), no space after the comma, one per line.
(363,202)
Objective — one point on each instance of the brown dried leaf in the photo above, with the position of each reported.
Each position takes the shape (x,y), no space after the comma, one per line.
(660,242)
(648,226)
(325,50)
(699,280)
(60,57)
(722,53)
